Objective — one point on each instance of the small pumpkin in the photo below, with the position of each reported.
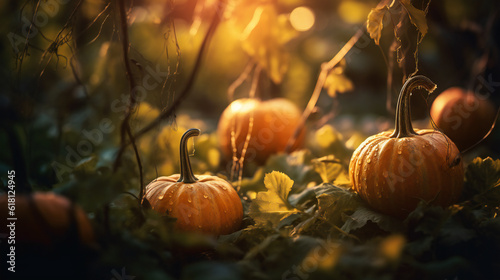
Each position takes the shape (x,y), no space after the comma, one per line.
(463,116)
(274,123)
(48,219)
(206,204)
(394,170)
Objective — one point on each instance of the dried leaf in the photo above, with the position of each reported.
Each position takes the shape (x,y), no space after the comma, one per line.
(417,17)
(272,205)
(375,23)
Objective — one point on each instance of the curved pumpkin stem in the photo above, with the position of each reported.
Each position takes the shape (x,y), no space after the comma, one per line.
(186,171)
(403,113)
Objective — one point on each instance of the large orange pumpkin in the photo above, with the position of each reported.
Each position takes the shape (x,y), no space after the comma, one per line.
(206,204)
(274,123)
(463,116)
(394,170)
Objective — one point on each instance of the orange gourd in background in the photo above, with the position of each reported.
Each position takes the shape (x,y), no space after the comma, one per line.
(463,116)
(274,123)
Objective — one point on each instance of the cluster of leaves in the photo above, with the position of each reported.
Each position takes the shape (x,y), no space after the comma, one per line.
(302,221)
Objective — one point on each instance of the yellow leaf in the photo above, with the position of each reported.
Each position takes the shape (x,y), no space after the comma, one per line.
(264,38)
(417,17)
(328,167)
(337,83)
(375,23)
(272,205)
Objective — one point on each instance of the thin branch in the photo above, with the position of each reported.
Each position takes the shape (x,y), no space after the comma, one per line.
(189,84)
(125,126)
(325,69)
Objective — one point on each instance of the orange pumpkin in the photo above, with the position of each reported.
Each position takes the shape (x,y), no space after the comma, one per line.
(274,123)
(394,170)
(206,204)
(463,116)
(47,219)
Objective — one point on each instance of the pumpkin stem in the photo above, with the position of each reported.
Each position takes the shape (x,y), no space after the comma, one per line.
(403,113)
(186,171)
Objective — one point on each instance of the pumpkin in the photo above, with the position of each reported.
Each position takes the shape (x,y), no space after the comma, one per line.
(394,170)
(463,116)
(47,219)
(205,204)
(274,123)
(52,237)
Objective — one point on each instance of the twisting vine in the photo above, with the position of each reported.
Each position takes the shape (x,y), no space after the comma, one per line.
(125,130)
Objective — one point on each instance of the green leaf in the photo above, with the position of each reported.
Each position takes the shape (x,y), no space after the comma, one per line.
(417,17)
(336,202)
(362,215)
(296,166)
(271,206)
(482,179)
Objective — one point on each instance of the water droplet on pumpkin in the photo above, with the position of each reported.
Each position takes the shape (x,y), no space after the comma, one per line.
(224,188)
(161,197)
(359,162)
(205,196)
(189,200)
(400,152)
(369,160)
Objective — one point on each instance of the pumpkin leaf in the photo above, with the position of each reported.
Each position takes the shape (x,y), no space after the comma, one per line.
(337,82)
(482,181)
(362,215)
(482,175)
(272,205)
(417,17)
(335,202)
(328,167)
(296,166)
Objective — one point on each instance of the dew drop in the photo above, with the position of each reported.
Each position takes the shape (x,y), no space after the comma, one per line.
(189,200)
(205,196)
(224,188)
(400,152)
(369,160)
(359,162)
(161,197)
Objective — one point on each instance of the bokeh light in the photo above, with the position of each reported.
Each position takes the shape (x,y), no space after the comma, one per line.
(302,18)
